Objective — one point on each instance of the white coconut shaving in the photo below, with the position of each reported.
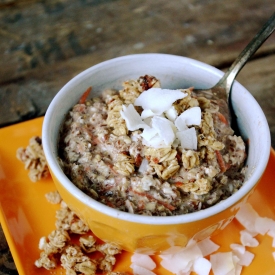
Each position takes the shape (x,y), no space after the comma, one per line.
(158,100)
(142,264)
(143,166)
(222,263)
(263,225)
(189,117)
(162,127)
(271,233)
(207,247)
(139,270)
(149,133)
(132,118)
(247,239)
(143,260)
(238,248)
(245,259)
(247,216)
(147,113)
(171,113)
(201,266)
(192,257)
(165,129)
(188,138)
(183,260)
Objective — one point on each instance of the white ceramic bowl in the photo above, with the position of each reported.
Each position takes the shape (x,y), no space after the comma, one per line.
(155,234)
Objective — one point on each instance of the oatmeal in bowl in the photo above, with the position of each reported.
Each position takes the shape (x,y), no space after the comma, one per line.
(146,163)
(152,151)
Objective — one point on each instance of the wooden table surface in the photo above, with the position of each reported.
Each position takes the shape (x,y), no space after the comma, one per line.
(43,44)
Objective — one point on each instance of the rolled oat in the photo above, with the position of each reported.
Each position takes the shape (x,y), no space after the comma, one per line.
(118,168)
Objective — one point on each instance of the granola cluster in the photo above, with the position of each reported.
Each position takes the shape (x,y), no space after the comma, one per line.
(83,255)
(34,159)
(116,167)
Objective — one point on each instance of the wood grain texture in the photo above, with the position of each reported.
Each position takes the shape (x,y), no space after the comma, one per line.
(44,43)
(41,33)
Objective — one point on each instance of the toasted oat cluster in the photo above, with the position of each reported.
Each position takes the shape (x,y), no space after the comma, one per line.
(34,159)
(53,197)
(152,161)
(75,256)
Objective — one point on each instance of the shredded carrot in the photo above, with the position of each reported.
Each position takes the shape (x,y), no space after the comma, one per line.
(138,160)
(179,184)
(110,204)
(222,118)
(141,205)
(178,156)
(95,139)
(224,166)
(85,95)
(111,166)
(150,197)
(156,160)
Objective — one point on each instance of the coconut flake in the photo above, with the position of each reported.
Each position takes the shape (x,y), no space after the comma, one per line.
(222,263)
(247,239)
(158,100)
(202,266)
(147,113)
(171,113)
(165,129)
(143,261)
(139,270)
(188,138)
(191,116)
(143,166)
(271,233)
(238,269)
(207,247)
(246,258)
(182,261)
(171,250)
(155,142)
(247,216)
(237,248)
(132,118)
(263,225)
(149,133)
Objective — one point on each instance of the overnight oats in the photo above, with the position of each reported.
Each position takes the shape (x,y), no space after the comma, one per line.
(151,151)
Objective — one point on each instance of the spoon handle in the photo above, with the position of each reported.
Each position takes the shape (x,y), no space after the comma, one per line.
(227,80)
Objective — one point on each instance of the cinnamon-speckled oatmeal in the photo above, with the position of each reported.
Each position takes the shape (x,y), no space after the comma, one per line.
(151,157)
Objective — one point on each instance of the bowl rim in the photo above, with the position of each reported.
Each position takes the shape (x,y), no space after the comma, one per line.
(134,218)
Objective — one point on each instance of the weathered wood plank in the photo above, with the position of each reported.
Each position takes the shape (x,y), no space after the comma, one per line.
(45,43)
(30,97)
(40,33)
(258,77)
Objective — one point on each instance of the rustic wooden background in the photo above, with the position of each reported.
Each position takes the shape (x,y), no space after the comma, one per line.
(43,44)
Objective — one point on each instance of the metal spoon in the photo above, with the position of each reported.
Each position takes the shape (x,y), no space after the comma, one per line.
(222,90)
